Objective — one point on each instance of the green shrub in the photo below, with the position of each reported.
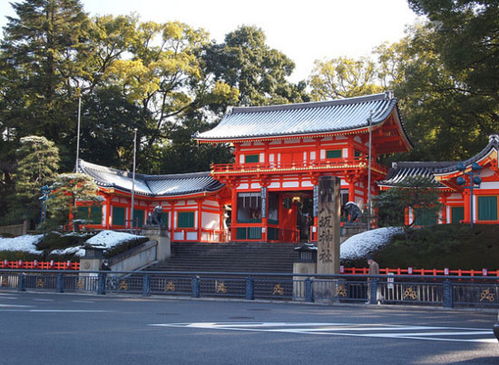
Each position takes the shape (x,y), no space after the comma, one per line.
(58,241)
(19,255)
(453,246)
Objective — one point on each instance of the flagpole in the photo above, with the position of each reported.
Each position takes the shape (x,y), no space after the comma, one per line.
(78,131)
(133,175)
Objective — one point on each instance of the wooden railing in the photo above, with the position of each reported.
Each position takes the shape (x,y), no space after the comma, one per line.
(39,265)
(341,163)
(412,271)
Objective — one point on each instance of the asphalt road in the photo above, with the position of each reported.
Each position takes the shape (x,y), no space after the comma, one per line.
(81,329)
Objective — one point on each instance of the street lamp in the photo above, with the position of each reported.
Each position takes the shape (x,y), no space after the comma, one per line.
(474,182)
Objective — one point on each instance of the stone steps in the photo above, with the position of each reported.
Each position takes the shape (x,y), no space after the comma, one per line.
(240,257)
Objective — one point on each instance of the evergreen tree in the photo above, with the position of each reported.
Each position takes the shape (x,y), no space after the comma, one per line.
(246,62)
(38,164)
(417,193)
(67,190)
(42,63)
(466,37)
(444,120)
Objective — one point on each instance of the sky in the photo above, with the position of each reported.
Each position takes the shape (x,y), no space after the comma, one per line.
(305,30)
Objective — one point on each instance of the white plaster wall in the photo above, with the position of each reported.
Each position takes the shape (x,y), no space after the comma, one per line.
(290,184)
(210,220)
(490,185)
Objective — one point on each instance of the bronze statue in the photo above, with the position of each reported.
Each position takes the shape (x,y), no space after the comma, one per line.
(154,218)
(352,211)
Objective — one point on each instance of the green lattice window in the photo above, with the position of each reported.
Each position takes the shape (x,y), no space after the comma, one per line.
(185,220)
(138,217)
(252,158)
(118,216)
(457,214)
(92,214)
(487,208)
(333,154)
(249,233)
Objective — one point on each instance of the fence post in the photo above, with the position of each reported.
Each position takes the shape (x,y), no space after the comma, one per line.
(59,284)
(21,282)
(373,290)
(101,283)
(448,300)
(146,285)
(309,290)
(196,287)
(250,288)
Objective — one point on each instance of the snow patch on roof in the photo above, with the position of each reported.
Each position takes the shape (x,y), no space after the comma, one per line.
(362,244)
(26,243)
(110,239)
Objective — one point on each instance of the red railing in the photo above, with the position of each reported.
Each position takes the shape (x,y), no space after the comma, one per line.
(412,271)
(343,163)
(39,265)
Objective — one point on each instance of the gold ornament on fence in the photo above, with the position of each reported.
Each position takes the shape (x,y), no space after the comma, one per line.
(278,290)
(410,293)
(5,282)
(341,291)
(80,284)
(123,285)
(170,286)
(487,294)
(40,283)
(220,287)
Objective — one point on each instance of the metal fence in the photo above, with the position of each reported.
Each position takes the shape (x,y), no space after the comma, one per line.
(446,291)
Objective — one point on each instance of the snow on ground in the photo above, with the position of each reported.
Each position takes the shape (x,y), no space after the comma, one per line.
(109,239)
(362,244)
(24,243)
(77,251)
(104,239)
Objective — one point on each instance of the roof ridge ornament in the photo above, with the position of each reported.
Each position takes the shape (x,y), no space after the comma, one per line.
(494,138)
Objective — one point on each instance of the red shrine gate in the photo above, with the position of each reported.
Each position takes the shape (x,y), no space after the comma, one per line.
(281,151)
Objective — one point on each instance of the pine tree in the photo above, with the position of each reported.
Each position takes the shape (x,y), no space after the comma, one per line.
(37,166)
(42,62)
(67,190)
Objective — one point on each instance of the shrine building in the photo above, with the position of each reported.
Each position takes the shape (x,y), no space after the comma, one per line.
(270,192)
(454,179)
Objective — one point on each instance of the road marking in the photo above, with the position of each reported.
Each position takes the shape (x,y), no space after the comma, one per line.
(83,301)
(15,306)
(428,333)
(68,311)
(42,300)
(53,310)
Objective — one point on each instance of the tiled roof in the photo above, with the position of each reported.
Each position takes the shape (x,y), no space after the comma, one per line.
(302,118)
(493,144)
(400,171)
(151,185)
